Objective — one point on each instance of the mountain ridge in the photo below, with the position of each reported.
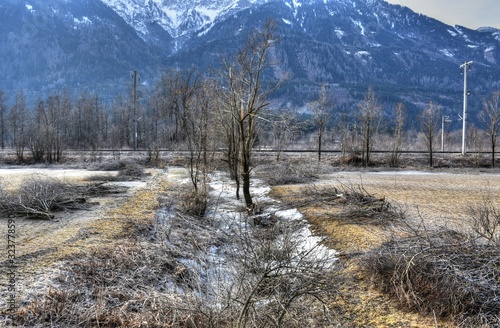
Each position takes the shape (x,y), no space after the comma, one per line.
(93,44)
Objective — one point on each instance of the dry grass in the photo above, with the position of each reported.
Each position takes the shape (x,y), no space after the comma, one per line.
(441,199)
(74,237)
(81,254)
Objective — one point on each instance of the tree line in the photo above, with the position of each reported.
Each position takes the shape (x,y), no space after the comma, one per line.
(227,109)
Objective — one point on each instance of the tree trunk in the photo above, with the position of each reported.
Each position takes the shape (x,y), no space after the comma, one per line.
(246,186)
(492,152)
(319,146)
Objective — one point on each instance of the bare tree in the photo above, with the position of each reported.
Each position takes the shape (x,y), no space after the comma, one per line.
(282,125)
(3,118)
(398,134)
(321,110)
(429,125)
(490,116)
(229,101)
(37,132)
(18,124)
(120,124)
(369,112)
(249,95)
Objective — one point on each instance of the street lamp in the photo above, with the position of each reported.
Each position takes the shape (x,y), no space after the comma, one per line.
(444,119)
(464,68)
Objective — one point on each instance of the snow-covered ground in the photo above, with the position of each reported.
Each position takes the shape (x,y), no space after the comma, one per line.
(223,236)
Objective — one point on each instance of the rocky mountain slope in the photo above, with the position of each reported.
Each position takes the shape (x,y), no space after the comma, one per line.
(93,44)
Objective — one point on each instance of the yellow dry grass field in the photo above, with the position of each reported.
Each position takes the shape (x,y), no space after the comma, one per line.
(438,199)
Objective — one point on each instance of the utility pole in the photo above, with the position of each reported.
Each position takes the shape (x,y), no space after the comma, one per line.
(464,68)
(444,119)
(135,77)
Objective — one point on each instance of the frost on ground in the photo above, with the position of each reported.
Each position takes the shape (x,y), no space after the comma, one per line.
(235,262)
(128,266)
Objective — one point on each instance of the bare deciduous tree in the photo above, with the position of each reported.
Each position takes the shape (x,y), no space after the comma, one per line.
(398,134)
(3,118)
(429,125)
(249,95)
(369,112)
(229,101)
(321,110)
(18,124)
(490,116)
(283,126)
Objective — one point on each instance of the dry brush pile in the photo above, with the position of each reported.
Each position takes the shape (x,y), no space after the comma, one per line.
(39,197)
(443,272)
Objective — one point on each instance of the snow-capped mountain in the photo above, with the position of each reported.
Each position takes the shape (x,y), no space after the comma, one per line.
(179,18)
(93,44)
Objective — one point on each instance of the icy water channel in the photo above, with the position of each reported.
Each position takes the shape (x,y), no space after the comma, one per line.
(211,249)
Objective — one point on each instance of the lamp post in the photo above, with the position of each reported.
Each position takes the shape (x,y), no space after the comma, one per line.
(464,68)
(444,119)
(134,77)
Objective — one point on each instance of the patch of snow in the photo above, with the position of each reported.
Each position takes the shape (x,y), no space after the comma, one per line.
(56,173)
(286,21)
(489,55)
(408,172)
(210,13)
(84,21)
(360,25)
(360,54)
(213,265)
(339,33)
(172,15)
(452,33)
(446,52)
(30,8)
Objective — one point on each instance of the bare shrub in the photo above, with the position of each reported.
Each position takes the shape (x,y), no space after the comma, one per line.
(127,170)
(353,159)
(130,171)
(280,281)
(283,173)
(358,205)
(195,203)
(39,196)
(110,287)
(484,219)
(441,272)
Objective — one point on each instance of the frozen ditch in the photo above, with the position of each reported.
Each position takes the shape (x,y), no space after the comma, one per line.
(216,255)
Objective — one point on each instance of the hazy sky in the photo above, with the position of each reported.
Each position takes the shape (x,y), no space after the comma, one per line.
(468,13)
